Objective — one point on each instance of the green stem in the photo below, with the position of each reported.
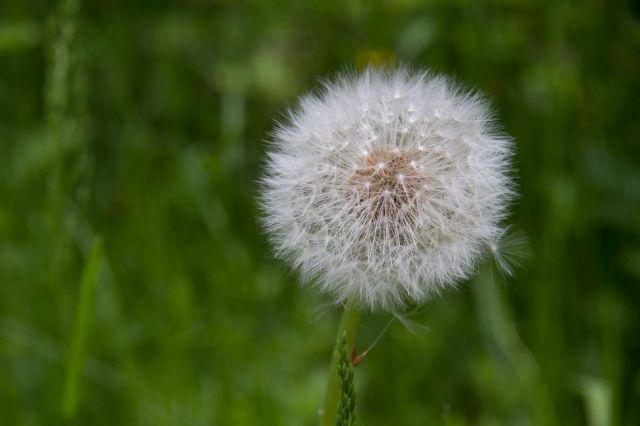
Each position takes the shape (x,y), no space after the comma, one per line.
(349,325)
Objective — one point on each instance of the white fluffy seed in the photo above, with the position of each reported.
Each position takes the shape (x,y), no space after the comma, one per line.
(378,229)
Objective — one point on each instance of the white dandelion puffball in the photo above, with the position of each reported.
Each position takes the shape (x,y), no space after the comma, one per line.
(386,187)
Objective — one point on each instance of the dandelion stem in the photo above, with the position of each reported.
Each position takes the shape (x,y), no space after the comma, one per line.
(348,327)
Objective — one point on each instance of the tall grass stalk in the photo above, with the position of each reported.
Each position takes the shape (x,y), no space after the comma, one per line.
(346,330)
(347,405)
(65,125)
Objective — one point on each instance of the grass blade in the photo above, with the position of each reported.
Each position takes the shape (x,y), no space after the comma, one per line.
(78,346)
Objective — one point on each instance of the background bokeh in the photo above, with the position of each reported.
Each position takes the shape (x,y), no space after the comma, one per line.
(136,287)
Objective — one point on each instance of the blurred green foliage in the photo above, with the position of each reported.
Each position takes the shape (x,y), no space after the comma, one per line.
(142,124)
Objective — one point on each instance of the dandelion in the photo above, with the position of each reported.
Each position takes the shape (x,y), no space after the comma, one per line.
(387,187)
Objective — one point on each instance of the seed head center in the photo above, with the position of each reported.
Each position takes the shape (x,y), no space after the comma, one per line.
(387,183)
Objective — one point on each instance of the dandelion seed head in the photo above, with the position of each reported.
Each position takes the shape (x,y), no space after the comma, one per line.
(402,213)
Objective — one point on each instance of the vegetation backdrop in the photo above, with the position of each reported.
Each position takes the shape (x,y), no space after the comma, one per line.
(136,287)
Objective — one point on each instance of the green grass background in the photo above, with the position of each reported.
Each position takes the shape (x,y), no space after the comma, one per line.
(136,287)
